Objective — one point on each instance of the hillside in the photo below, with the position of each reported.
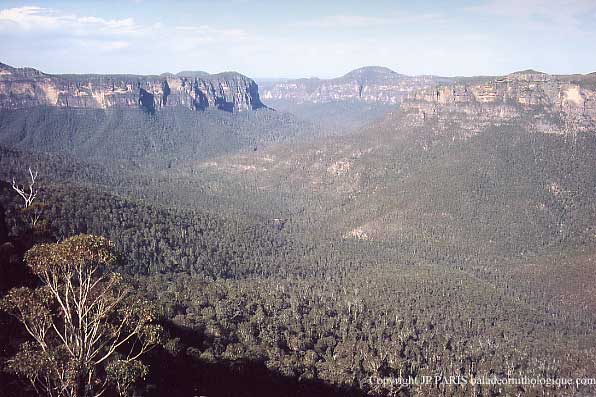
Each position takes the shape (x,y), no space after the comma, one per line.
(512,168)
(453,234)
(172,135)
(339,117)
(247,295)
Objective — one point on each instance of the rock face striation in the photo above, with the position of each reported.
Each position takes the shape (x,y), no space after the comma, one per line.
(545,103)
(26,87)
(371,84)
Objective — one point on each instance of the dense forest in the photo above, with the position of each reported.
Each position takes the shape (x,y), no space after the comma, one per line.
(145,139)
(324,267)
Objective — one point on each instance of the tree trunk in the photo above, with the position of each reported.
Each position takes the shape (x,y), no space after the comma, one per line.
(81,385)
(3,227)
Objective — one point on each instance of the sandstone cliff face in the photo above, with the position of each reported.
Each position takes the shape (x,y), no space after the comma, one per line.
(369,84)
(549,104)
(25,87)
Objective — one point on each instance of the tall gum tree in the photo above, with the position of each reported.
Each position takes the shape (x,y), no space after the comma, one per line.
(87,330)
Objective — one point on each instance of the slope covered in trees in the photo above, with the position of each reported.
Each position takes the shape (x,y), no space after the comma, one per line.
(513,189)
(392,252)
(150,140)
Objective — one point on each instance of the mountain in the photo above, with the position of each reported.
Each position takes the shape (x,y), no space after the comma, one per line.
(548,104)
(25,87)
(148,120)
(192,74)
(455,234)
(346,103)
(372,84)
(507,161)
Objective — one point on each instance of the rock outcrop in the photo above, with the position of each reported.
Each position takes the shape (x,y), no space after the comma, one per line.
(546,103)
(372,84)
(26,87)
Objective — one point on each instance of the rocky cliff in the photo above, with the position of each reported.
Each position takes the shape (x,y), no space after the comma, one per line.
(26,87)
(372,84)
(545,103)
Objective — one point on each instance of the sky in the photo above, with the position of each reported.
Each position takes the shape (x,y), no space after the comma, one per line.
(301,38)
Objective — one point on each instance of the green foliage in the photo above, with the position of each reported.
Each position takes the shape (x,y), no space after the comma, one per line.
(75,252)
(123,374)
(476,257)
(170,136)
(80,316)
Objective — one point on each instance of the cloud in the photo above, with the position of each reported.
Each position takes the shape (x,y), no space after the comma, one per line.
(43,20)
(32,18)
(501,35)
(51,29)
(359,21)
(208,33)
(527,8)
(545,15)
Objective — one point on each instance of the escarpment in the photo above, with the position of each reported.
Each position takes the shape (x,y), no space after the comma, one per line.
(25,87)
(545,103)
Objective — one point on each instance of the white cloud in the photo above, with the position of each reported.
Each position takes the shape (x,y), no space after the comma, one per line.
(359,21)
(81,33)
(544,15)
(525,33)
(33,19)
(211,34)
(549,8)
(41,20)
(113,45)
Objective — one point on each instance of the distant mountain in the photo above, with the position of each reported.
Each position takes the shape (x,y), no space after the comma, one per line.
(192,74)
(371,84)
(372,75)
(25,87)
(528,71)
(508,161)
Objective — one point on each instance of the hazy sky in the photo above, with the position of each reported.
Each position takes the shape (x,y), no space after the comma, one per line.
(301,38)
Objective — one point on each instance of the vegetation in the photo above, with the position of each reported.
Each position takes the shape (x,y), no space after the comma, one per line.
(82,321)
(174,135)
(316,268)
(341,117)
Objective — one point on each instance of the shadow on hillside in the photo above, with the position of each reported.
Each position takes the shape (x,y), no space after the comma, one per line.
(170,375)
(186,376)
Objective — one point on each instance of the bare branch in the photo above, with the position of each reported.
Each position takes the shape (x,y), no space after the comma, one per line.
(87,316)
(27,195)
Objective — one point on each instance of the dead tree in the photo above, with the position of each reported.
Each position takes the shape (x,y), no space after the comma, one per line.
(28,195)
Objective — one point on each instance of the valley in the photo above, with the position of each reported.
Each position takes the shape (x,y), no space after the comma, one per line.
(374,226)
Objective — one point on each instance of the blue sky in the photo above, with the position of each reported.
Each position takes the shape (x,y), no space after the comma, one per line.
(263,38)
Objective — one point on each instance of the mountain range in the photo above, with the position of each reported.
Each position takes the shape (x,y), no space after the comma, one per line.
(372,225)
(25,87)
(485,156)
(367,84)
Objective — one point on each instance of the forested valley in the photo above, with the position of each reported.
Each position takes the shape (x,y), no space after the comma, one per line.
(286,259)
